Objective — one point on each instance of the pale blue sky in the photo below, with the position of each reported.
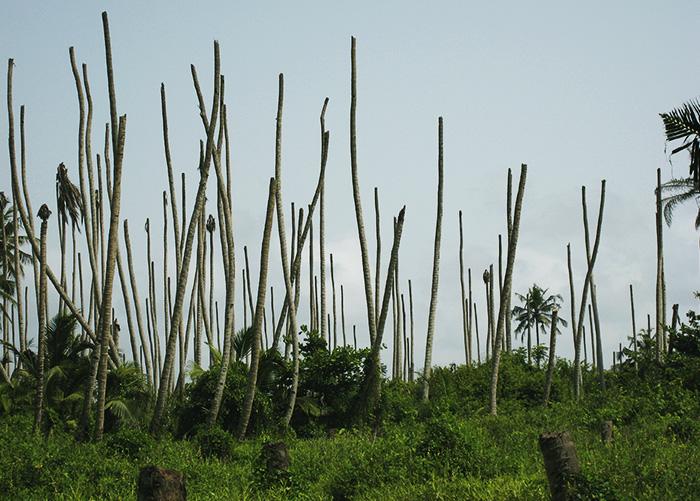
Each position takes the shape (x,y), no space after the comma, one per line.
(571,89)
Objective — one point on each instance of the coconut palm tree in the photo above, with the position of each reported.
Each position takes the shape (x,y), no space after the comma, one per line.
(44,214)
(70,207)
(536,311)
(683,124)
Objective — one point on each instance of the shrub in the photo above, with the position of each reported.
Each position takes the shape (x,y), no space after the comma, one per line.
(130,442)
(215,442)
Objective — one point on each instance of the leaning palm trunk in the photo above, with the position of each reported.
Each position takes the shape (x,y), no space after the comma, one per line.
(171,341)
(106,306)
(366,272)
(550,362)
(44,214)
(29,226)
(634,328)
(432,312)
(507,287)
(137,306)
(228,254)
(247,407)
(584,295)
(281,229)
(378,260)
(18,282)
(371,386)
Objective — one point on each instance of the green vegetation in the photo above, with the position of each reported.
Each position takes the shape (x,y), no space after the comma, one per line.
(448,448)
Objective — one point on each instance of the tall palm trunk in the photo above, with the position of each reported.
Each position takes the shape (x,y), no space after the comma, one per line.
(18,281)
(371,386)
(171,340)
(137,306)
(588,283)
(247,407)
(509,221)
(411,365)
(660,327)
(470,318)
(461,286)
(634,327)
(112,243)
(432,311)
(335,321)
(571,292)
(507,287)
(366,272)
(44,214)
(342,314)
(378,260)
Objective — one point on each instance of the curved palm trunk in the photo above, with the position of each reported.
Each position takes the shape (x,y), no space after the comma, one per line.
(571,292)
(106,306)
(432,312)
(378,260)
(171,341)
(371,386)
(44,214)
(366,272)
(588,283)
(507,287)
(247,406)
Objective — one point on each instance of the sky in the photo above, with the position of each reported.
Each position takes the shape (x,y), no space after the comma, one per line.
(571,89)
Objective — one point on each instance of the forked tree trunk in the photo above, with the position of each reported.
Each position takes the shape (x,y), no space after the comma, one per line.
(507,287)
(432,312)
(247,407)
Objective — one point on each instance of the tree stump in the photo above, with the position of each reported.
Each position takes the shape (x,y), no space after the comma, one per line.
(606,432)
(159,484)
(276,458)
(560,462)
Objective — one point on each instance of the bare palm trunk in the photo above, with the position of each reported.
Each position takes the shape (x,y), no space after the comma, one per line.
(660,327)
(470,319)
(335,320)
(44,214)
(342,314)
(366,272)
(507,287)
(634,327)
(432,311)
(509,220)
(588,282)
(476,331)
(247,406)
(378,260)
(171,340)
(411,365)
(461,285)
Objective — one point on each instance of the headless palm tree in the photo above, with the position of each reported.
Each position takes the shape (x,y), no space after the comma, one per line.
(44,214)
(432,312)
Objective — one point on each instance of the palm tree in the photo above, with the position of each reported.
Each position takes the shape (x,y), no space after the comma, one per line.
(536,311)
(44,214)
(683,124)
(70,206)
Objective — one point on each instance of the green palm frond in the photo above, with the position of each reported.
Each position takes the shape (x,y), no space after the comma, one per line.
(682,122)
(671,202)
(243,343)
(68,199)
(120,409)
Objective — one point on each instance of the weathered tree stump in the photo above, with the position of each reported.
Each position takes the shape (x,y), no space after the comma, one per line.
(560,462)
(159,484)
(276,458)
(606,432)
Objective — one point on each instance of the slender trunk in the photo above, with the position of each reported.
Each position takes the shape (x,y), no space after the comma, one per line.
(137,305)
(342,314)
(470,356)
(411,365)
(584,296)
(247,406)
(18,279)
(335,320)
(572,295)
(550,361)
(660,330)
(44,214)
(461,285)
(366,272)
(476,328)
(312,303)
(432,311)
(593,344)
(171,340)
(378,260)
(322,257)
(509,220)
(507,287)
(634,328)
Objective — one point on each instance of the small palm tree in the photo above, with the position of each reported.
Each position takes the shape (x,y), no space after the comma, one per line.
(683,124)
(536,311)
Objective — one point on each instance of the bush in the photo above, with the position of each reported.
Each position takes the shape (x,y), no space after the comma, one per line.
(215,442)
(129,442)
